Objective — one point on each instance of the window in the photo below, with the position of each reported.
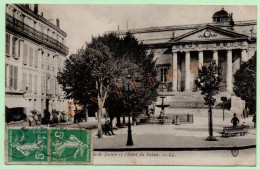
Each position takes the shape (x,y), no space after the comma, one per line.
(24,82)
(36,58)
(30,56)
(217,44)
(25,53)
(43,84)
(35,83)
(7,44)
(163,74)
(14,46)
(13,77)
(30,83)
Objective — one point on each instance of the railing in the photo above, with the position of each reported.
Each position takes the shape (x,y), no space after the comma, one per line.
(13,23)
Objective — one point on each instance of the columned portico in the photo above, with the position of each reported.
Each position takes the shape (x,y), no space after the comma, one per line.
(201,58)
(187,71)
(215,56)
(175,71)
(244,56)
(229,71)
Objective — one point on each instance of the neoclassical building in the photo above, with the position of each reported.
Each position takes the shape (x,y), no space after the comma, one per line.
(178,49)
(35,51)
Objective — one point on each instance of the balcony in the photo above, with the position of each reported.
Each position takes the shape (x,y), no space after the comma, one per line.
(27,31)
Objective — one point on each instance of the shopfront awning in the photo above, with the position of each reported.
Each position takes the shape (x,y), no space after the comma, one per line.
(13,102)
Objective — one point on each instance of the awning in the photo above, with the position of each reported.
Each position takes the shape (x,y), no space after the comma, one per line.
(13,102)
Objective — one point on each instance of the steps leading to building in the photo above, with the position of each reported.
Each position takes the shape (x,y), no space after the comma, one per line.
(188,99)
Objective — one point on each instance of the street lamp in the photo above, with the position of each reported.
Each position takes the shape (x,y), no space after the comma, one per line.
(129,131)
(223,99)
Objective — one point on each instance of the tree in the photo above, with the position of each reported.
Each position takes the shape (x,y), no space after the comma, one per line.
(95,70)
(245,83)
(87,75)
(208,82)
(132,59)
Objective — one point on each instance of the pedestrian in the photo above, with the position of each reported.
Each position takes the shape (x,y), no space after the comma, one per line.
(247,112)
(31,119)
(108,128)
(96,115)
(235,120)
(114,124)
(254,120)
(244,113)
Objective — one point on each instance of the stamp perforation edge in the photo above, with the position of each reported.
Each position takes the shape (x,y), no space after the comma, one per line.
(49,150)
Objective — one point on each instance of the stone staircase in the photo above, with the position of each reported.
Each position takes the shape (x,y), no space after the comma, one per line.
(188,99)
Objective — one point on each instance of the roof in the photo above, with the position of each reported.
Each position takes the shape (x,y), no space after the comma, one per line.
(220,14)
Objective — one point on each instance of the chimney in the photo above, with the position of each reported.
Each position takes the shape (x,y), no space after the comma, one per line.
(57,22)
(36,8)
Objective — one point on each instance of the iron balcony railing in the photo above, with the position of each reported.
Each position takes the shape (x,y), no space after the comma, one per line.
(13,23)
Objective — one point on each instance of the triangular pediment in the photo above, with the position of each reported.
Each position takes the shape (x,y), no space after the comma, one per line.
(208,33)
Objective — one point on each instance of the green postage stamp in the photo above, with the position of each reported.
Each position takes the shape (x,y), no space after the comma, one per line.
(48,146)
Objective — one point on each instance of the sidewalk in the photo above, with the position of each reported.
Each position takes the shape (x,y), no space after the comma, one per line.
(175,137)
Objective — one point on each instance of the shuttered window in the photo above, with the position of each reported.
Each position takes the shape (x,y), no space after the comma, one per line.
(51,86)
(30,56)
(24,81)
(36,58)
(15,77)
(30,83)
(7,44)
(11,77)
(57,87)
(42,84)
(35,83)
(25,54)
(13,47)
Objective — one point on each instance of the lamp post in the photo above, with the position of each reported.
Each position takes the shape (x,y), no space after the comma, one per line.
(223,99)
(129,131)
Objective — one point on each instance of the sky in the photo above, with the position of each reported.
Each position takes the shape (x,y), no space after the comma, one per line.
(81,22)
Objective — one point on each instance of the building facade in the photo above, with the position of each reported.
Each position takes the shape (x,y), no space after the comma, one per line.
(180,49)
(35,51)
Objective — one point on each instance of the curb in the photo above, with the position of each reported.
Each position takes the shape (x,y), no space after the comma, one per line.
(177,149)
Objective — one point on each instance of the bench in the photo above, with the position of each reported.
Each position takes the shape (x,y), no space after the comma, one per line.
(234,131)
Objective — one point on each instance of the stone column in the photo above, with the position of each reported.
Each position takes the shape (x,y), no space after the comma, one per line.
(215,56)
(201,58)
(175,71)
(244,56)
(229,71)
(187,71)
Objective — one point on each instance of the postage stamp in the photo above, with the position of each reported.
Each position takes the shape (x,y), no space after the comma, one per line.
(27,145)
(48,146)
(70,146)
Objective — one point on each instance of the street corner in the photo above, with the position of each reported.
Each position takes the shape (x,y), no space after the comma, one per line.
(70,146)
(27,145)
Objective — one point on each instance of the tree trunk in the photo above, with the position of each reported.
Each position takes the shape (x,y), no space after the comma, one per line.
(118,121)
(211,137)
(123,119)
(99,124)
(99,86)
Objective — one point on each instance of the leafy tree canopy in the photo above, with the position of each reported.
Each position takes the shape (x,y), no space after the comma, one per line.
(245,82)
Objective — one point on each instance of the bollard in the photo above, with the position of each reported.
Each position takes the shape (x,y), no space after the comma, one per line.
(177,120)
